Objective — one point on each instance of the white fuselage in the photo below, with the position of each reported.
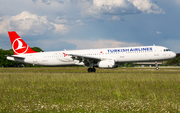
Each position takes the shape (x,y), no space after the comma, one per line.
(126,54)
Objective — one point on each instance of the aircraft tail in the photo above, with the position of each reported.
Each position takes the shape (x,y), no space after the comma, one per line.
(18,45)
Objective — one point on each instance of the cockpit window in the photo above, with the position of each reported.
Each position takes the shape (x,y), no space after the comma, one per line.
(166,50)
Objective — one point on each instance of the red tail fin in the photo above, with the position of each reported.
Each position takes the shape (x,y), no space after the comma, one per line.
(18,45)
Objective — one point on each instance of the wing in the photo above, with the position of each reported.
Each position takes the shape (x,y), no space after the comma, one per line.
(87,60)
(79,57)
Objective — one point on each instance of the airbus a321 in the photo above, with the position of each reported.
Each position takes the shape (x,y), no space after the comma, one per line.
(101,58)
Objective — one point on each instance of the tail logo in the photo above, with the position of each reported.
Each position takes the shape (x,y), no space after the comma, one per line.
(18,46)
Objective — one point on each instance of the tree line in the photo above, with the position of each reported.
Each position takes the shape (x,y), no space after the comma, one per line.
(6,63)
(173,62)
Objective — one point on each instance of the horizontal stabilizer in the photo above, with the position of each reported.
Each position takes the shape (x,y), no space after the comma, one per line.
(14,56)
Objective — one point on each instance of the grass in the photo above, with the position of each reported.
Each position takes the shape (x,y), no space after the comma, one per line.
(72,89)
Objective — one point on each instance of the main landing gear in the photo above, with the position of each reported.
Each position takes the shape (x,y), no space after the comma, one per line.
(91,69)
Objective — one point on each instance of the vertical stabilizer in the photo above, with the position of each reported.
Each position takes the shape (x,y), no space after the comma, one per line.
(18,45)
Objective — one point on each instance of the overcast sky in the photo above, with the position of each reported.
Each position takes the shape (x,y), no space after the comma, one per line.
(82,24)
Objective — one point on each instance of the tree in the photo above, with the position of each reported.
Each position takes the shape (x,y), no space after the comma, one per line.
(174,61)
(37,49)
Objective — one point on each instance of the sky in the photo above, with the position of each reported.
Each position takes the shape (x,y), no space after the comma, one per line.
(55,25)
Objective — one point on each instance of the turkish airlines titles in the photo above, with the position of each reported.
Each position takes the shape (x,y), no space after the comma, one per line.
(130,50)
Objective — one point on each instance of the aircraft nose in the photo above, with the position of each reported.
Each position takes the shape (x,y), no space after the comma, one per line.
(173,54)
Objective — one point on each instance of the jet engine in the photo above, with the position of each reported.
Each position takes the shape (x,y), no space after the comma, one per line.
(107,64)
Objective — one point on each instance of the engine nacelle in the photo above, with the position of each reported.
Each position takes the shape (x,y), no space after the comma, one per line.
(107,64)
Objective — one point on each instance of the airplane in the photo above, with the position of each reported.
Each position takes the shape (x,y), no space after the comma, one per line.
(101,58)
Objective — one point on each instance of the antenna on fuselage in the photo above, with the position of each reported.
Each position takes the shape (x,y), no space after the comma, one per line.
(154,45)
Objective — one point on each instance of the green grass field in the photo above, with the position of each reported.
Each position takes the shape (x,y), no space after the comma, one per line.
(72,89)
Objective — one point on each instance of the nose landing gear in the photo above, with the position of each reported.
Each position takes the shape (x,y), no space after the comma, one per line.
(157,68)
